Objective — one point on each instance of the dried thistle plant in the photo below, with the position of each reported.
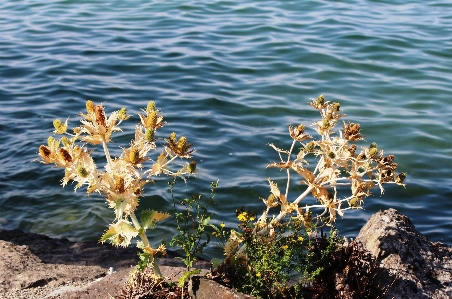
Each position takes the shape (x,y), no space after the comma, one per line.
(340,169)
(124,177)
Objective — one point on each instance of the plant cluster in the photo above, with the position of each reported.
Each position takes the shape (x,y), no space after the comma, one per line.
(341,179)
(192,224)
(273,255)
(267,268)
(122,181)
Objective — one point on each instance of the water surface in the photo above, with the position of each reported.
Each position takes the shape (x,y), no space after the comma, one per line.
(230,76)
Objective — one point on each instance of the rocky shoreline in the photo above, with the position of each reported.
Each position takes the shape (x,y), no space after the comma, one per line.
(36,266)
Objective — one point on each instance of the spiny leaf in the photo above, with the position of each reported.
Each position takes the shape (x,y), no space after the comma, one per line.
(281,165)
(146,219)
(120,233)
(308,175)
(149,218)
(275,191)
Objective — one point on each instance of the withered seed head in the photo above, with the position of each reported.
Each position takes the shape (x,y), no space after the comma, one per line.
(173,137)
(272,200)
(331,155)
(50,141)
(400,178)
(150,107)
(352,149)
(122,115)
(387,160)
(354,202)
(192,167)
(119,184)
(44,151)
(309,148)
(81,171)
(149,135)
(137,191)
(151,121)
(373,151)
(100,115)
(65,141)
(90,106)
(182,144)
(326,124)
(319,103)
(352,132)
(59,126)
(335,107)
(65,155)
(361,156)
(301,128)
(134,155)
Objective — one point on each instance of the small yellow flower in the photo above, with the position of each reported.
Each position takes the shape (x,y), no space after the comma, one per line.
(242,217)
(222,224)
(284,247)
(258,274)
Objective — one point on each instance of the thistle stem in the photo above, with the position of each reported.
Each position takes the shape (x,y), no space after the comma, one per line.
(145,240)
(107,153)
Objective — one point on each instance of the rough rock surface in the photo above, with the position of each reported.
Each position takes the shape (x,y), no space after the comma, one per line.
(411,266)
(36,266)
(203,288)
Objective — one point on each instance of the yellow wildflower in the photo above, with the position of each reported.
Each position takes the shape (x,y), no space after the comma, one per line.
(242,217)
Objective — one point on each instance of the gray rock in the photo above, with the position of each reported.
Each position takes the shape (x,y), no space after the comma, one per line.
(202,288)
(411,265)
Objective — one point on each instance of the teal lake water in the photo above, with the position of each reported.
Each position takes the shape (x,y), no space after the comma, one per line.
(230,75)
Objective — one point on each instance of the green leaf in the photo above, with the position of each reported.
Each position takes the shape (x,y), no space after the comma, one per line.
(186,276)
(205,221)
(146,219)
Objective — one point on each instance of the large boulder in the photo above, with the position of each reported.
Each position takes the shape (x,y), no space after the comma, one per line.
(411,265)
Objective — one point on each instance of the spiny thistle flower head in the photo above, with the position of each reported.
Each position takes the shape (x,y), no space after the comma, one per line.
(90,107)
(122,115)
(179,147)
(96,126)
(297,132)
(60,128)
(319,103)
(192,167)
(152,118)
(151,107)
(352,132)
